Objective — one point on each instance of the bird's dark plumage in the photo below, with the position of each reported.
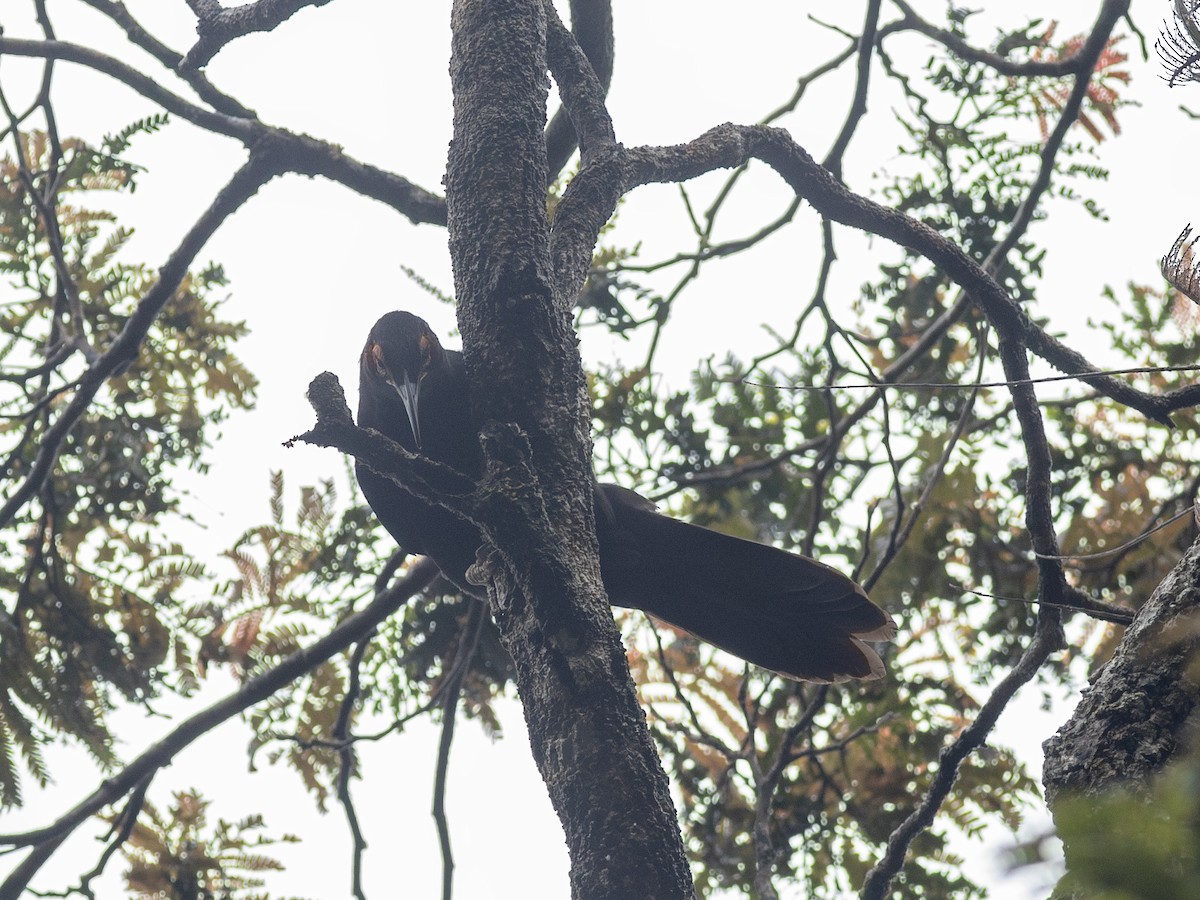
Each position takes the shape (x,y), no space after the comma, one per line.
(776,609)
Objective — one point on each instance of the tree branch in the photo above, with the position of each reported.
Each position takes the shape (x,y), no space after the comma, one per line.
(209,120)
(431,481)
(581,89)
(305,155)
(347,763)
(591,197)
(257,689)
(1046,640)
(587,732)
(170,59)
(468,644)
(592,28)
(263,165)
(858,107)
(217,25)
(1072,65)
(728,146)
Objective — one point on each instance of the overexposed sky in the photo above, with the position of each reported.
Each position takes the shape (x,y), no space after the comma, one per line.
(313,265)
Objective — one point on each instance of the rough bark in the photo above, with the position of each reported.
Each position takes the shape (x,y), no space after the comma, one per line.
(586,728)
(1140,711)
(592,25)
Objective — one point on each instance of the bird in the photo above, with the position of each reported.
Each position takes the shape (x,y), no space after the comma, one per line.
(778,610)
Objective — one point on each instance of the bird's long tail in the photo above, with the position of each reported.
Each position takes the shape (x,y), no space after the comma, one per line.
(776,609)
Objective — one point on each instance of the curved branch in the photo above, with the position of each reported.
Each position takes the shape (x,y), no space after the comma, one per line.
(960,48)
(239,128)
(347,760)
(579,86)
(592,195)
(1048,635)
(170,59)
(304,155)
(858,108)
(728,146)
(217,25)
(1046,639)
(257,689)
(469,643)
(592,27)
(260,168)
(312,156)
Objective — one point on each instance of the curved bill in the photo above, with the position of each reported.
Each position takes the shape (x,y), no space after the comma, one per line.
(408,391)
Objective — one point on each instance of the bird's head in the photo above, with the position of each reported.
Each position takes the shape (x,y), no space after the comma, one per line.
(400,352)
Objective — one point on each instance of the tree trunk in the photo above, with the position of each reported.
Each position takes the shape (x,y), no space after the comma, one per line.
(588,733)
(1139,712)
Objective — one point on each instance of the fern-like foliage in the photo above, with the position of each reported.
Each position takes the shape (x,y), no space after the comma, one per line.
(1178,44)
(177,852)
(96,611)
(1180,266)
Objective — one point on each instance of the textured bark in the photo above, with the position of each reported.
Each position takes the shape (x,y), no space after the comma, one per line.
(1136,715)
(588,733)
(592,25)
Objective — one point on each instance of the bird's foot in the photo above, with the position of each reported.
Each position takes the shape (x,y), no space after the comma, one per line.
(479,573)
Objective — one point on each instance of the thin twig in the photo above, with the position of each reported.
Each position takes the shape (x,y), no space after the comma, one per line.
(462,662)
(935,474)
(122,829)
(1097,609)
(956,385)
(347,763)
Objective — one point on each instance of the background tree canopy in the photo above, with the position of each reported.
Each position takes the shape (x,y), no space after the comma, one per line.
(840,326)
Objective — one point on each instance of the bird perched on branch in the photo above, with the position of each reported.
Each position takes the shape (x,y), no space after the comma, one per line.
(775,609)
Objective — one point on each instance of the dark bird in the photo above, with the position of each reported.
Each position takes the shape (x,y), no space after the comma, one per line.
(775,609)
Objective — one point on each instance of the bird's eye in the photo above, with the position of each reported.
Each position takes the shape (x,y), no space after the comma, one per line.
(375,354)
(426,344)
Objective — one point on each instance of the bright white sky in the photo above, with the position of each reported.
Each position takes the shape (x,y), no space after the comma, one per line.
(309,259)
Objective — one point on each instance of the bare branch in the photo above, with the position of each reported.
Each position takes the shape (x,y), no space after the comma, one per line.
(170,59)
(468,644)
(592,195)
(1080,602)
(217,25)
(581,90)
(121,830)
(1072,65)
(347,761)
(131,77)
(935,472)
(260,168)
(592,27)
(305,155)
(1046,640)
(352,629)
(858,107)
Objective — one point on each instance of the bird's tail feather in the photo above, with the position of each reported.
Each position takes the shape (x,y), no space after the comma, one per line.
(779,610)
